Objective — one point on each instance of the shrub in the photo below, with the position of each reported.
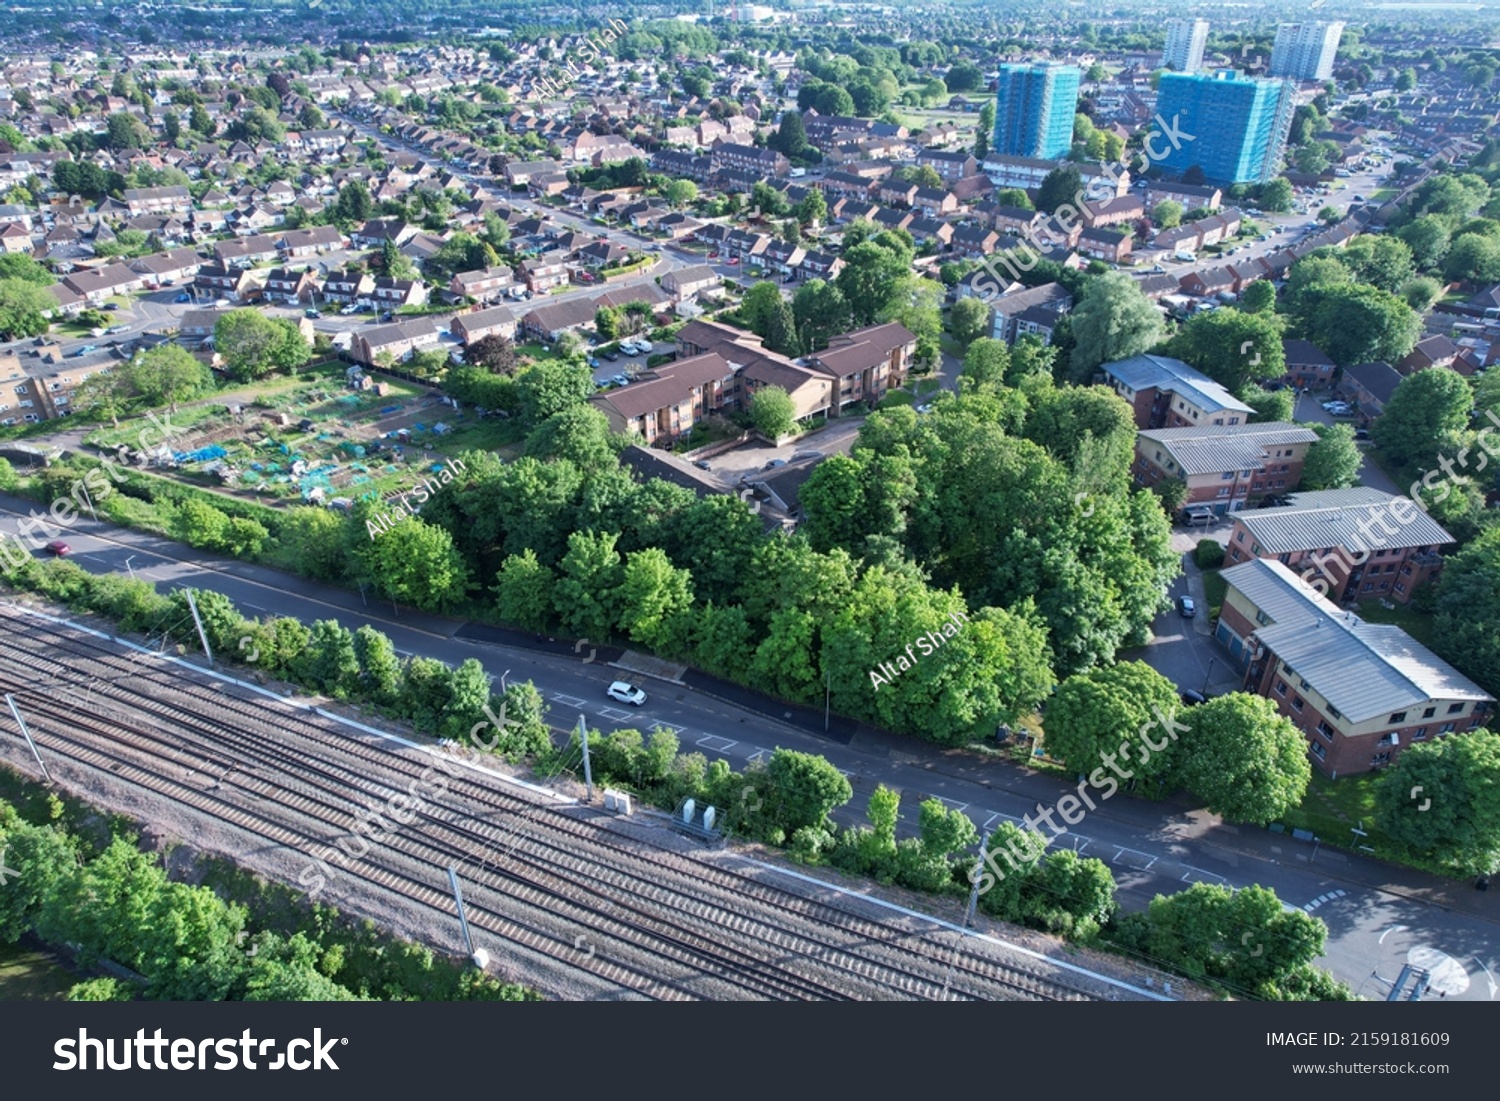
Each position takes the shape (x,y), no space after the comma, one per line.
(1209,555)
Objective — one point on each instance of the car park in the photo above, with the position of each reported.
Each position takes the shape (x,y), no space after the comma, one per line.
(626,693)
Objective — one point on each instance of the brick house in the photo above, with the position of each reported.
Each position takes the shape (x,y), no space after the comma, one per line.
(1225,467)
(1361,693)
(1306,365)
(1167,393)
(1351,544)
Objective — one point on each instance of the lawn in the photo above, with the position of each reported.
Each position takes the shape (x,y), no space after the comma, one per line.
(896,397)
(1417,624)
(1331,808)
(1384,194)
(28,973)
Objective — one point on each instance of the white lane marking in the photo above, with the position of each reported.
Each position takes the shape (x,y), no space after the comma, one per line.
(614,714)
(711,742)
(569,701)
(1200,871)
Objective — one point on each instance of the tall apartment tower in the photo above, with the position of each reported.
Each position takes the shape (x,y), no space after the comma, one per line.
(1034,108)
(1185,41)
(1232,127)
(1305,51)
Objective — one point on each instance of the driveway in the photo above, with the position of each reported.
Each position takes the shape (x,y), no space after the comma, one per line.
(1309,410)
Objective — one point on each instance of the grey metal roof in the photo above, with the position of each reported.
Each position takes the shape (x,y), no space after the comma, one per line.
(1146,372)
(1366,670)
(1212,449)
(1362,519)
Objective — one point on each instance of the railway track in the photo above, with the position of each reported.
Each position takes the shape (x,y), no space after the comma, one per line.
(659,924)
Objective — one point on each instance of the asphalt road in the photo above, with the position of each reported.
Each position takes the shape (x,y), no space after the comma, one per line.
(1152,848)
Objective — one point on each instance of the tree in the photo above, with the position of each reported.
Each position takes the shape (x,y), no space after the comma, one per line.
(104,394)
(821,312)
(494,353)
(781,335)
(1420,292)
(1232,347)
(415,563)
(1244,759)
(1428,238)
(652,593)
(790,136)
(168,374)
(968,320)
(1276,196)
(802,790)
(609,322)
(579,433)
(125,131)
(1167,214)
(523,591)
(1111,712)
(15,265)
(1244,937)
(964,77)
(354,205)
(681,193)
(1428,409)
(1059,187)
(773,412)
(1013,197)
(1357,324)
(1113,320)
(986,363)
(1330,214)
(1259,297)
(1442,802)
(983,132)
(759,305)
(24,307)
(1473,258)
(585,595)
(1333,461)
(872,276)
(1467,610)
(200,120)
(379,664)
(1270,406)
(812,210)
(254,345)
(550,387)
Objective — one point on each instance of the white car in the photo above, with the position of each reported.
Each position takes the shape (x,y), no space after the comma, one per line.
(626,693)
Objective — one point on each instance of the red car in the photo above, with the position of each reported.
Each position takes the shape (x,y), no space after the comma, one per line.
(733,260)
(59,548)
(713,255)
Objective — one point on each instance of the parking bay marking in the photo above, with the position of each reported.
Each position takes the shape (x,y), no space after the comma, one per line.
(569,701)
(711,743)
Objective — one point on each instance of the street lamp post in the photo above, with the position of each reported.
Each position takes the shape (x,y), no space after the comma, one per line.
(1209,675)
(129,567)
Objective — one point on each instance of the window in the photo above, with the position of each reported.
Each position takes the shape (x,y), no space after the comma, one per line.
(1419,734)
(1239,537)
(1455,709)
(1262,618)
(1381,758)
(1225,476)
(1302,682)
(1398,717)
(1446,728)
(1255,549)
(1429,712)
(1281,688)
(1297,702)
(1318,751)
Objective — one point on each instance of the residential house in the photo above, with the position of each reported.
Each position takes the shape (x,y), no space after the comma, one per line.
(1436,351)
(484,285)
(163,269)
(1108,245)
(392,294)
(974,242)
(1306,365)
(1350,544)
(478,324)
(299,244)
(377,231)
(728,157)
(950,164)
(684,283)
(543,272)
(291,287)
(198,325)
(1224,466)
(868,362)
(393,343)
(244,252)
(1042,305)
(158,200)
(94,285)
(344,288)
(1361,693)
(1370,385)
(235,284)
(935,202)
(1188,196)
